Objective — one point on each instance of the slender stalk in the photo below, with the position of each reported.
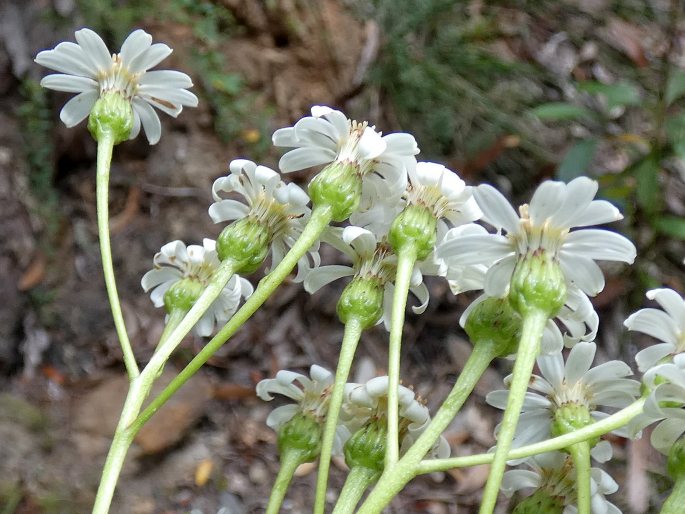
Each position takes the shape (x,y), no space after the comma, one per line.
(529,346)
(359,479)
(289,462)
(616,420)
(395,478)
(104,159)
(580,452)
(175,317)
(321,217)
(405,266)
(353,331)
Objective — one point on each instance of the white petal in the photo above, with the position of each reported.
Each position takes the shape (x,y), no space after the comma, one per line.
(78,108)
(169,79)
(552,368)
(671,302)
(498,277)
(648,357)
(319,277)
(371,144)
(228,210)
(281,415)
(302,158)
(666,434)
(579,193)
(475,249)
(597,213)
(655,323)
(69,83)
(135,44)
(421,292)
(546,201)
(496,209)
(149,119)
(150,58)
(582,272)
(67,58)
(205,326)
(155,277)
(579,361)
(600,244)
(94,49)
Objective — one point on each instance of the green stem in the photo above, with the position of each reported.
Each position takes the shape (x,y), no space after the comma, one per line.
(405,266)
(359,479)
(529,346)
(290,460)
(395,478)
(321,217)
(675,501)
(175,317)
(104,159)
(580,452)
(616,420)
(353,331)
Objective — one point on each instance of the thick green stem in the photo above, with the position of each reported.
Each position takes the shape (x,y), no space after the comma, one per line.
(359,479)
(580,452)
(353,331)
(405,266)
(616,420)
(395,478)
(290,460)
(675,501)
(321,217)
(104,159)
(533,325)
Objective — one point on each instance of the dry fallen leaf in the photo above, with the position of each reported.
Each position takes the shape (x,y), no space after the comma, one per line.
(203,472)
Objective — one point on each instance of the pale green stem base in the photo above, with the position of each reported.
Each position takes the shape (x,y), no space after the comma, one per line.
(529,346)
(358,480)
(405,266)
(395,478)
(321,217)
(141,385)
(353,331)
(675,501)
(104,159)
(580,453)
(289,463)
(616,420)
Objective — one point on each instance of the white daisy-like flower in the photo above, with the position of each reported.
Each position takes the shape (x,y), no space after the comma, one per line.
(281,207)
(329,136)
(176,262)
(88,68)
(553,477)
(573,385)
(667,325)
(367,402)
(544,225)
(371,259)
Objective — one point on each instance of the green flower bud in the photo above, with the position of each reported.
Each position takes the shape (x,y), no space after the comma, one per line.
(246,242)
(361,299)
(538,284)
(494,322)
(302,434)
(339,186)
(415,226)
(366,447)
(540,502)
(183,295)
(676,460)
(570,417)
(112,114)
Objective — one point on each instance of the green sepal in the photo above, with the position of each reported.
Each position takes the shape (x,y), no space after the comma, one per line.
(302,435)
(570,417)
(245,242)
(540,502)
(415,227)
(361,299)
(366,447)
(676,460)
(538,284)
(495,323)
(112,115)
(182,295)
(339,187)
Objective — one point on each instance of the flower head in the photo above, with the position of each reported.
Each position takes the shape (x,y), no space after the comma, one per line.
(190,269)
(667,325)
(328,136)
(279,208)
(89,69)
(569,395)
(553,477)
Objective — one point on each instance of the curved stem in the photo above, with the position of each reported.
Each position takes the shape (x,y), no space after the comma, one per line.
(289,463)
(175,317)
(359,479)
(395,478)
(616,420)
(405,266)
(675,501)
(353,331)
(104,159)
(529,346)
(321,217)
(580,452)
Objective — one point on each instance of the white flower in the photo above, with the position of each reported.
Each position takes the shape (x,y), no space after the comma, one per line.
(175,262)
(371,259)
(88,68)
(554,475)
(282,208)
(667,325)
(368,402)
(546,226)
(573,385)
(329,136)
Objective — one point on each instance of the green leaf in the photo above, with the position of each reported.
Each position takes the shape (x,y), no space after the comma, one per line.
(675,87)
(671,226)
(555,111)
(577,160)
(647,193)
(617,95)
(675,130)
